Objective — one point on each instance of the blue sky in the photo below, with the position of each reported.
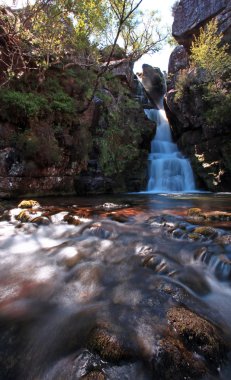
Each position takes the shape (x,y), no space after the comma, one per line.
(159,59)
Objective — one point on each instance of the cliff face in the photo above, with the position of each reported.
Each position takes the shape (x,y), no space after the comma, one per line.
(205,142)
(48,146)
(190,15)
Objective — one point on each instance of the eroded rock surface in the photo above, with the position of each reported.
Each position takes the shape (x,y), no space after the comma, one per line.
(190,15)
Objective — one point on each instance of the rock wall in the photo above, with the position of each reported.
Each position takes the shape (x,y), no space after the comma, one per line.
(207,145)
(190,15)
(57,153)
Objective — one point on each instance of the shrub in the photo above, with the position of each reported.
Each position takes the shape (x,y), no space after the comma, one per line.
(209,74)
(41,148)
(22,103)
(62,102)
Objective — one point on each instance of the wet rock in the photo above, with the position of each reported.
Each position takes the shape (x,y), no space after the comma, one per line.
(197,334)
(110,345)
(199,214)
(69,257)
(94,375)
(191,348)
(82,365)
(27,216)
(5,216)
(194,279)
(29,204)
(174,362)
(72,219)
(206,231)
(57,218)
(23,216)
(157,263)
(40,220)
(111,206)
(193,236)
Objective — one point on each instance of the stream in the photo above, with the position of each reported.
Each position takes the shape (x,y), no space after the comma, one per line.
(129,287)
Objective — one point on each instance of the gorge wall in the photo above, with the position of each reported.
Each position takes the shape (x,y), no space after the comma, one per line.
(48,145)
(207,144)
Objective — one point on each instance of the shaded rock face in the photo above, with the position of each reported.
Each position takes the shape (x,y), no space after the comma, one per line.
(154,83)
(179,60)
(207,146)
(134,176)
(190,15)
(67,160)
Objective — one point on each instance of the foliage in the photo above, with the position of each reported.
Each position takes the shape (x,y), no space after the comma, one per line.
(39,146)
(208,53)
(70,32)
(119,143)
(218,110)
(208,75)
(62,102)
(22,103)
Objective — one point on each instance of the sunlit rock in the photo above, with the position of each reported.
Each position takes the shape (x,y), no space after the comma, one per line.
(29,204)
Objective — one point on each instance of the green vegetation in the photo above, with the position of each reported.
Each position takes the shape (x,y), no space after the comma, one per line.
(118,144)
(208,53)
(25,104)
(69,33)
(39,146)
(55,56)
(209,74)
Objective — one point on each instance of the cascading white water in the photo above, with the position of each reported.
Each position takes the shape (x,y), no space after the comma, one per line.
(169,171)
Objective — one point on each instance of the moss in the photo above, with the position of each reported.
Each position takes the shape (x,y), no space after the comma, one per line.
(109,345)
(194,212)
(24,216)
(197,333)
(94,375)
(28,204)
(206,231)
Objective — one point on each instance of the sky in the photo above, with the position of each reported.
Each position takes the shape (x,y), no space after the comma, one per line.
(159,59)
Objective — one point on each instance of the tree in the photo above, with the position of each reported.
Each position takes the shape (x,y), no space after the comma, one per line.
(208,75)
(209,53)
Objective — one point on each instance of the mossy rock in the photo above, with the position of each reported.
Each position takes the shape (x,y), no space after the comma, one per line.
(94,375)
(29,204)
(24,216)
(72,219)
(194,236)
(206,231)
(173,361)
(109,345)
(197,334)
(194,212)
(40,220)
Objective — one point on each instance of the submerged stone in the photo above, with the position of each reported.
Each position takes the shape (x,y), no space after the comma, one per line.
(197,334)
(110,345)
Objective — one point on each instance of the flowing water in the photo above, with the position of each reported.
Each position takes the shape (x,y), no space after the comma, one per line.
(129,261)
(169,171)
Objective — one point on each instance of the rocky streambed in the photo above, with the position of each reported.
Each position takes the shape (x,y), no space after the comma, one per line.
(136,287)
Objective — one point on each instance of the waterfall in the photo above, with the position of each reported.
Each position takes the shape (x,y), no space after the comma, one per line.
(169,171)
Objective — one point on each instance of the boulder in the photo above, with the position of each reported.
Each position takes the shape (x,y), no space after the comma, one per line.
(154,83)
